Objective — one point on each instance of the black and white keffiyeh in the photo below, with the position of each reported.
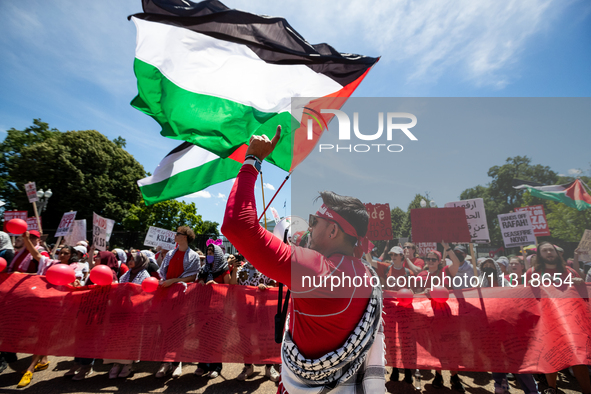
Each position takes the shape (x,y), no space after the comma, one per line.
(356,367)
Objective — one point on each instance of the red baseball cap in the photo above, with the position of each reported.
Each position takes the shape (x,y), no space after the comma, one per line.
(35,233)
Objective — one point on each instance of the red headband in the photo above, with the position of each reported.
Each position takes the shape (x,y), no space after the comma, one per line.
(363,243)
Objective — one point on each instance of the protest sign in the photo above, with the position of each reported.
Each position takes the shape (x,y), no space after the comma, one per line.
(425,247)
(31,190)
(476,216)
(99,232)
(516,229)
(538,219)
(585,246)
(9,215)
(32,223)
(380,223)
(77,232)
(439,224)
(65,224)
(160,237)
(110,225)
(402,241)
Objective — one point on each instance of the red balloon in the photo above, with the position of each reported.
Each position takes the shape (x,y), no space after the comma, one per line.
(101,275)
(405,297)
(3,264)
(439,294)
(16,226)
(60,274)
(150,284)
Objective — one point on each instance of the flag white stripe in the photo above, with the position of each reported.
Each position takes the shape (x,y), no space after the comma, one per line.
(178,162)
(205,65)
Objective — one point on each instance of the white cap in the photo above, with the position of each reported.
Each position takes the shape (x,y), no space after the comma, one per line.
(397,250)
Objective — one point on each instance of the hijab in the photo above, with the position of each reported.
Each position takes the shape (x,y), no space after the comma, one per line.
(5,242)
(140,263)
(108,259)
(215,269)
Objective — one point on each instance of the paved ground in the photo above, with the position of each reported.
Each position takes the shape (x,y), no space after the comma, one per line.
(51,381)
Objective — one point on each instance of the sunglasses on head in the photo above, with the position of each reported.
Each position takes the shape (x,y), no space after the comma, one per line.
(431,260)
(180,233)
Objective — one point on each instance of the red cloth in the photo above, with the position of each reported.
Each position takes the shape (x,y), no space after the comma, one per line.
(176,267)
(220,278)
(418,262)
(123,269)
(428,282)
(324,318)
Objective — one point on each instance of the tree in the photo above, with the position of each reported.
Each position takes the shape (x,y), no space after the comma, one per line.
(499,195)
(168,215)
(120,142)
(86,172)
(10,150)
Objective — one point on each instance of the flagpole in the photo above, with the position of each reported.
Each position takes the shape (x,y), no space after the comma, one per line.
(274,195)
(584,184)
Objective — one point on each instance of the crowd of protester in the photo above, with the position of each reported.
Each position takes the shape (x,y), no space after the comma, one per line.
(29,254)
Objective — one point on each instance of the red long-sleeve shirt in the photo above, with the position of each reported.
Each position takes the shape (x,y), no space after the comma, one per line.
(321,319)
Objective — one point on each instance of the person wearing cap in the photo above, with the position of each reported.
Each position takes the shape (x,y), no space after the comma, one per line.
(22,260)
(460,266)
(333,337)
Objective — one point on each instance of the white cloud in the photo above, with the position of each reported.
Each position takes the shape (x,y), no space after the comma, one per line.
(201,194)
(269,186)
(221,195)
(480,40)
(574,171)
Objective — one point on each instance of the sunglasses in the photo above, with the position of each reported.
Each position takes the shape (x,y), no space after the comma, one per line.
(408,247)
(313,221)
(431,260)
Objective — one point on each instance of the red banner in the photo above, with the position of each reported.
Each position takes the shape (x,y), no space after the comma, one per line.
(234,324)
(379,227)
(537,219)
(440,224)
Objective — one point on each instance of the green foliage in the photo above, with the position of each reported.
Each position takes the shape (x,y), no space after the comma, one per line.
(120,142)
(85,171)
(168,215)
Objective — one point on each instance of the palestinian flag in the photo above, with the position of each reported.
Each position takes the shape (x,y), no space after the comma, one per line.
(188,169)
(214,76)
(572,194)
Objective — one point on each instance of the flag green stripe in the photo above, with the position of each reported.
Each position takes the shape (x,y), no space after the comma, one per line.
(213,123)
(560,197)
(189,181)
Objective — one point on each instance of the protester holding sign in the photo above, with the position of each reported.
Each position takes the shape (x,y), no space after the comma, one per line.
(460,268)
(179,265)
(23,261)
(433,275)
(411,258)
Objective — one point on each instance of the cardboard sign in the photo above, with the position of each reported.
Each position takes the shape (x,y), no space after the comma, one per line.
(476,216)
(9,215)
(425,247)
(538,219)
(160,237)
(516,229)
(110,225)
(585,246)
(31,190)
(77,232)
(99,232)
(32,223)
(65,224)
(439,224)
(380,223)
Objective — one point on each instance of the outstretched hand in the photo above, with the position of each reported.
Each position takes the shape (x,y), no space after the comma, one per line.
(260,145)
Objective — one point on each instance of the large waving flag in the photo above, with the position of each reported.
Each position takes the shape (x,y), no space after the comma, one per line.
(214,76)
(572,194)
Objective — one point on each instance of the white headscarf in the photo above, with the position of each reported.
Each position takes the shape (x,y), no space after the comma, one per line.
(5,242)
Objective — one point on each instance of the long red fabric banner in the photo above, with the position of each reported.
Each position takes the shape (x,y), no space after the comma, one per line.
(537,330)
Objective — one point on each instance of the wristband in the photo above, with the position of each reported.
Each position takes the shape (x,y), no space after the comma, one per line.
(253,157)
(448,249)
(255,163)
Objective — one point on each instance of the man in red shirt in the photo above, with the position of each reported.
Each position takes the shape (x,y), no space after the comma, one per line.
(180,265)
(333,337)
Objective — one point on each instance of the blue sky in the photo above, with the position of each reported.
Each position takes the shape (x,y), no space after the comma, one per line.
(70,64)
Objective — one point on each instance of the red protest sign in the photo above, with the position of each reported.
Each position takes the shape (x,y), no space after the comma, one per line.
(538,219)
(439,224)
(9,215)
(380,223)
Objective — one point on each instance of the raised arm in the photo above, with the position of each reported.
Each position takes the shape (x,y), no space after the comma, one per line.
(453,269)
(241,227)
